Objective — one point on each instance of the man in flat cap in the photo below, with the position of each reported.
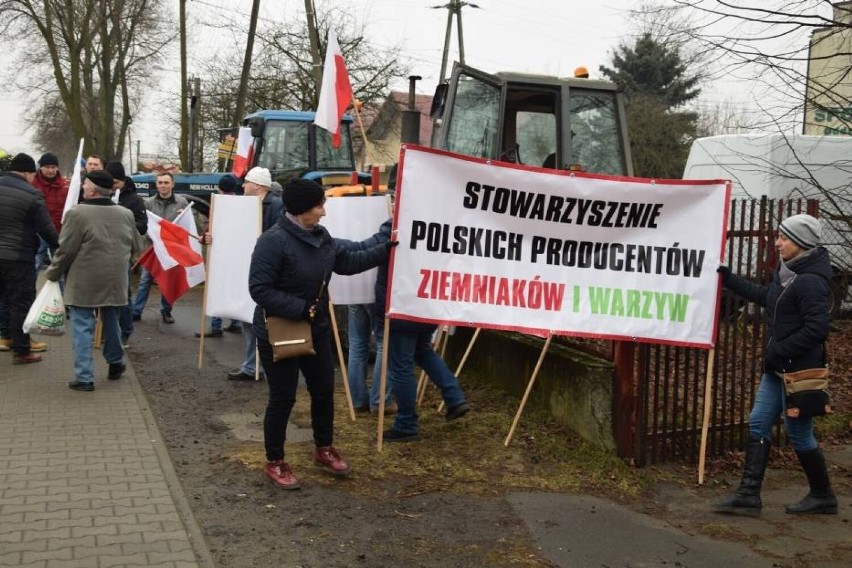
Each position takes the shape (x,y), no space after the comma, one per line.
(24,218)
(97,241)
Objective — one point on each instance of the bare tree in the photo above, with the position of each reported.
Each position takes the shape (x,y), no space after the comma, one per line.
(98,52)
(282,73)
(796,56)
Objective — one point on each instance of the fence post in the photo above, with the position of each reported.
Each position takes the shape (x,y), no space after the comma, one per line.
(624,403)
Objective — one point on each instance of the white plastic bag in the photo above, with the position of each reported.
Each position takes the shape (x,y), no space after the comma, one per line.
(47,314)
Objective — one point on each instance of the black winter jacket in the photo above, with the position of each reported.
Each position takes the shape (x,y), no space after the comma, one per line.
(23,218)
(796,315)
(273,209)
(291,266)
(128,198)
(381,300)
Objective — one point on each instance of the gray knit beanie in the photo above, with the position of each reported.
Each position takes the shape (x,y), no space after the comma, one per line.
(802,229)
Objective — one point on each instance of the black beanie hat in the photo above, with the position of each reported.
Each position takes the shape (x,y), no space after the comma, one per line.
(100,178)
(48,159)
(301,195)
(22,163)
(116,170)
(228,184)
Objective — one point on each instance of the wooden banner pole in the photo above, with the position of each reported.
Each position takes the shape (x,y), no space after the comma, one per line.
(463,361)
(529,389)
(344,373)
(368,153)
(99,329)
(708,403)
(383,382)
(206,287)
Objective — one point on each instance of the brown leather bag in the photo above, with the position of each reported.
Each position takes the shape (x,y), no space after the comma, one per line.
(289,338)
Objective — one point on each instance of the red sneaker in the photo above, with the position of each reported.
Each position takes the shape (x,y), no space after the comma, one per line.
(331,461)
(281,475)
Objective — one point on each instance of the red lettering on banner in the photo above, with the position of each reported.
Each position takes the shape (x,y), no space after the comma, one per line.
(484,289)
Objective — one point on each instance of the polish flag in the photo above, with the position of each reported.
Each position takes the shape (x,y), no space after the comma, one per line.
(174,259)
(336,91)
(245,152)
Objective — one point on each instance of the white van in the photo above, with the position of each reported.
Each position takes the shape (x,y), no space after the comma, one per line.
(782,166)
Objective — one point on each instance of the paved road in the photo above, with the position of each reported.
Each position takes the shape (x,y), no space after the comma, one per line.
(86,481)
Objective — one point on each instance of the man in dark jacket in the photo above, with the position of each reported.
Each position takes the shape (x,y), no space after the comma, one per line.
(24,218)
(129,199)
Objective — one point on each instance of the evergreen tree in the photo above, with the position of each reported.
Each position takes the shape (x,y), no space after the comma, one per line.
(656,82)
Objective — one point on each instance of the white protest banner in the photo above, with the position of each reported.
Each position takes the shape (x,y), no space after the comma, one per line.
(235,225)
(74,185)
(355,218)
(503,246)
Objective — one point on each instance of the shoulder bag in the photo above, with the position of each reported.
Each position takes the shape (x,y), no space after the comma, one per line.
(290,338)
(807,392)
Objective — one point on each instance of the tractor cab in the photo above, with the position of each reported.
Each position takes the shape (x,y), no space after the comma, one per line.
(553,122)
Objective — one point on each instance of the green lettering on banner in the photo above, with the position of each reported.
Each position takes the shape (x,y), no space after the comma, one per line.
(642,304)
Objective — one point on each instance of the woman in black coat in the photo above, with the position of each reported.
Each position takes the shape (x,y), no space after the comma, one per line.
(290,269)
(797,309)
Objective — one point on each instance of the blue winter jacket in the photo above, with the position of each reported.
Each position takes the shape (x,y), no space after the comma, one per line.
(291,268)
(796,315)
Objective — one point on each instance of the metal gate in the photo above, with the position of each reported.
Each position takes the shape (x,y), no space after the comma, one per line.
(670,381)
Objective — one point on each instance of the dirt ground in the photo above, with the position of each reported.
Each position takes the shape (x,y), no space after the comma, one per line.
(437,503)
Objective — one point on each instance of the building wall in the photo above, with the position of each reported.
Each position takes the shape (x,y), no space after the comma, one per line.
(828,108)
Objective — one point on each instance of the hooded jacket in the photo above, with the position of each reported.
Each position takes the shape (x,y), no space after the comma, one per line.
(128,198)
(55,191)
(23,218)
(797,317)
(291,268)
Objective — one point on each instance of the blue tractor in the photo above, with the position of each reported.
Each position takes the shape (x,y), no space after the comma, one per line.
(288,144)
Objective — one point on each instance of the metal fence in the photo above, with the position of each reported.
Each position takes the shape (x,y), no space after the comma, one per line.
(669,381)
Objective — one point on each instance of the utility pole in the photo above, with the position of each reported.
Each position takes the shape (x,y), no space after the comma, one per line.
(184,114)
(244,76)
(193,121)
(313,36)
(454,7)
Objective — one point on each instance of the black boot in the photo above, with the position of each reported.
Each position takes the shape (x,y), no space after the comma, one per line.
(820,499)
(746,499)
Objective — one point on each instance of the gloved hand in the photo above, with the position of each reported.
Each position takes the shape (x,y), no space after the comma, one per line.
(725,271)
(390,244)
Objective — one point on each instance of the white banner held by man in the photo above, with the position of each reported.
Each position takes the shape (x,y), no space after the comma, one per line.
(235,225)
(355,218)
(508,247)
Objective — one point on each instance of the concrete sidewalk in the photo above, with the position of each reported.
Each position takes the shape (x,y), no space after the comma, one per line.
(85,479)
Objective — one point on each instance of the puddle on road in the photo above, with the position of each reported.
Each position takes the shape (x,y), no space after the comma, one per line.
(248,427)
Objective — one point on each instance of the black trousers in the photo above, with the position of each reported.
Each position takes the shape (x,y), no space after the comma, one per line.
(283,380)
(17,284)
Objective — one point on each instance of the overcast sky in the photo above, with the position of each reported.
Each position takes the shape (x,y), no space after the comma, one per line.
(549,37)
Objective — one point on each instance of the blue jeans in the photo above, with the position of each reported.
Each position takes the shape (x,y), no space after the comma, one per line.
(360,331)
(250,357)
(377,374)
(405,349)
(83,333)
(145,280)
(769,403)
(41,259)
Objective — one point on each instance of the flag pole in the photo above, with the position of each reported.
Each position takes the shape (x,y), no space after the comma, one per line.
(344,373)
(705,424)
(206,287)
(368,153)
(383,382)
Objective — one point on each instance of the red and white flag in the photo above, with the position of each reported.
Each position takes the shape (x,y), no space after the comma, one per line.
(245,151)
(336,91)
(174,259)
